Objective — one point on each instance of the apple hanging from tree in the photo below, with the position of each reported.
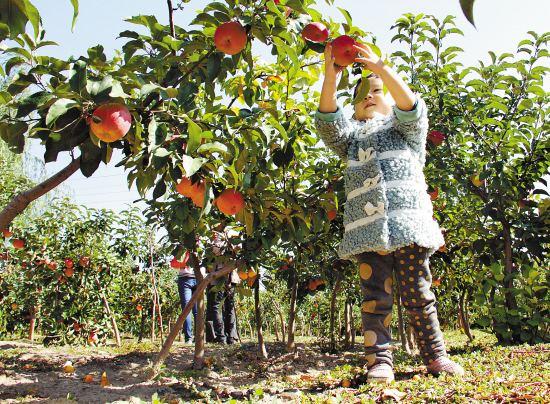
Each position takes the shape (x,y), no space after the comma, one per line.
(84,261)
(230,202)
(343,50)
(230,38)
(315,32)
(110,122)
(18,243)
(436,137)
(476,181)
(434,194)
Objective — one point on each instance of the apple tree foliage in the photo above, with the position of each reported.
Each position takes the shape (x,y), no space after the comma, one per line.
(495,119)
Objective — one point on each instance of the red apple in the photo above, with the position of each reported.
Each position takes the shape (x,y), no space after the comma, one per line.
(68,263)
(84,261)
(315,32)
(436,137)
(7,233)
(230,37)
(18,243)
(434,194)
(343,50)
(230,202)
(110,122)
(331,214)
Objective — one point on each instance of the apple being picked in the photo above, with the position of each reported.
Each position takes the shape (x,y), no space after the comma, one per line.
(315,32)
(343,50)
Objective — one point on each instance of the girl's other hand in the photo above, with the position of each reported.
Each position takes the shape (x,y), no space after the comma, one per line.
(367,57)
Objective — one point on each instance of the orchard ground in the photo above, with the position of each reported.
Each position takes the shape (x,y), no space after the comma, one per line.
(34,373)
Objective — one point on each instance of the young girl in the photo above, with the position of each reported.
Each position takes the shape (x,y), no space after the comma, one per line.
(388,213)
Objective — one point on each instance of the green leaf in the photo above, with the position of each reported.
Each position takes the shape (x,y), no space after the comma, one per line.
(14,135)
(347,16)
(362,91)
(160,189)
(213,147)
(78,76)
(104,90)
(468,10)
(75,13)
(59,108)
(213,66)
(191,165)
(195,135)
(90,158)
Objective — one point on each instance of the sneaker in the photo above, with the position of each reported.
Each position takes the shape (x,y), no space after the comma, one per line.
(189,342)
(445,365)
(380,373)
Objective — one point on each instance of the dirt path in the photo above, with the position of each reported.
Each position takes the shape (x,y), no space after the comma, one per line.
(36,372)
(33,373)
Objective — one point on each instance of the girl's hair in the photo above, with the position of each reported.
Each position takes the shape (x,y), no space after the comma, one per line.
(373,75)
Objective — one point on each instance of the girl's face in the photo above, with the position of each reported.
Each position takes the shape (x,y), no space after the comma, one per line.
(375,101)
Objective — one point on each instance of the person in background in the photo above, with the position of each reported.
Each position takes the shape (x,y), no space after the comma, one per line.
(221,324)
(186,286)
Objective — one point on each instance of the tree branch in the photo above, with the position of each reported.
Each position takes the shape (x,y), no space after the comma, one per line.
(20,201)
(171,18)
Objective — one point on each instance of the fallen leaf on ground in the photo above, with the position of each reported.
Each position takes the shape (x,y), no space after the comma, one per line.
(393,393)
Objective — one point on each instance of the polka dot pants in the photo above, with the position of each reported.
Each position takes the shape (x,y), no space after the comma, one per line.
(411,266)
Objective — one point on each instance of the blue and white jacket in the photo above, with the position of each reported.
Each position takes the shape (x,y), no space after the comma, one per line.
(387,205)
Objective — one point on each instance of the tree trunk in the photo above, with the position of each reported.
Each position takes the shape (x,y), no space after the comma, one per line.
(156,298)
(276,330)
(347,324)
(200,322)
(290,345)
(258,312)
(153,319)
(400,323)
(352,318)
(20,201)
(32,323)
(201,286)
(109,313)
(510,299)
(142,326)
(462,315)
(335,291)
(282,321)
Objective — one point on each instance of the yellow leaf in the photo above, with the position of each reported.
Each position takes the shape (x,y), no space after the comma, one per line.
(104,381)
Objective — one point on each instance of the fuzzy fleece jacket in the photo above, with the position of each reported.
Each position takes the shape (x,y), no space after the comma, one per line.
(387,205)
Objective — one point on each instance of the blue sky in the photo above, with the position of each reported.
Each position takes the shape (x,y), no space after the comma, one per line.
(500,24)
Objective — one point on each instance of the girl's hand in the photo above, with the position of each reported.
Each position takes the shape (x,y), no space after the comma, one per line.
(331,70)
(368,58)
